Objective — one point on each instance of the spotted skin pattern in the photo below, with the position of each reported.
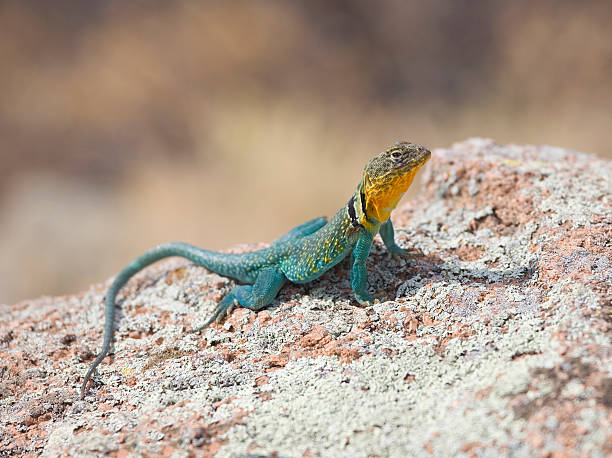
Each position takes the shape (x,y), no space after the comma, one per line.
(304,253)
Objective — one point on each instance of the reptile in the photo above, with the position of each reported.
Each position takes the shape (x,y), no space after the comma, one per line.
(301,255)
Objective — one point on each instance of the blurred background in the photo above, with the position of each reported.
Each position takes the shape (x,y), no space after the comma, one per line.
(127,124)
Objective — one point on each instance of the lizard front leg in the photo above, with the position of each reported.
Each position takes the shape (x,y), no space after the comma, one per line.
(388,236)
(359,273)
(254,297)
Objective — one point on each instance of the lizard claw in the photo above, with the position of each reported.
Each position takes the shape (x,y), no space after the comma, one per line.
(379,297)
(223,310)
(365,300)
(371,299)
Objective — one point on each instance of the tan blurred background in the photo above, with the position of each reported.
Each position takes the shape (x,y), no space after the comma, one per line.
(126,124)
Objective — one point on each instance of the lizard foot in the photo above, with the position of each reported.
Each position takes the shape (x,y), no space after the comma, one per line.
(412,253)
(371,299)
(223,310)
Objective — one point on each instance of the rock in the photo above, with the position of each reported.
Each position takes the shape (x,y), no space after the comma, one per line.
(496,341)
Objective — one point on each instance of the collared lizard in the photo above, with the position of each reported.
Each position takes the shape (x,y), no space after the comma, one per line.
(305,252)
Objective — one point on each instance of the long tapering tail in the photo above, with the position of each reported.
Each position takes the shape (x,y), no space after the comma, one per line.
(225,264)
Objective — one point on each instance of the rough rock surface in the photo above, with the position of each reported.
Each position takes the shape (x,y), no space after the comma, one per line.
(496,342)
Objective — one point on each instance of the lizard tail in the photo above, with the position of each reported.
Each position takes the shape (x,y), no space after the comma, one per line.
(217,262)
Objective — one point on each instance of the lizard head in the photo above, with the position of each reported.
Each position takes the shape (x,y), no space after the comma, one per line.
(387,177)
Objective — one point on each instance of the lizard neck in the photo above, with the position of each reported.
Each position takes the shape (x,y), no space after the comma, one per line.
(357,212)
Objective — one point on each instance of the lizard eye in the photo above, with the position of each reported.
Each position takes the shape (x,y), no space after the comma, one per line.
(396,155)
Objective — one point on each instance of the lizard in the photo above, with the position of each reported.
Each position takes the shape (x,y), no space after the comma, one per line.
(301,255)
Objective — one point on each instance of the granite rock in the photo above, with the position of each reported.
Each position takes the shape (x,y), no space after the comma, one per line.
(495,342)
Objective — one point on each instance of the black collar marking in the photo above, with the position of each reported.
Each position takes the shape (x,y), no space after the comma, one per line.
(363,204)
(363,207)
(351,212)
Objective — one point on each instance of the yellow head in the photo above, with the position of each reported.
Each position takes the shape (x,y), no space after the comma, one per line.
(388,176)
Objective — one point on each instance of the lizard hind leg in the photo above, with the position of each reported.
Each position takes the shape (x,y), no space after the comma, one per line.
(254,297)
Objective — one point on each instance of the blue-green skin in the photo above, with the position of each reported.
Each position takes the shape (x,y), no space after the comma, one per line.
(300,256)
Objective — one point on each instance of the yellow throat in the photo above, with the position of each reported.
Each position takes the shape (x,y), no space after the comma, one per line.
(382,197)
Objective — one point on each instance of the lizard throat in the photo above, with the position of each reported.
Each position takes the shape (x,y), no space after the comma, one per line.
(382,198)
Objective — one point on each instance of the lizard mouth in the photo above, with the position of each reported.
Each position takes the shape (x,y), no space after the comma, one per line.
(416,160)
(426,154)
